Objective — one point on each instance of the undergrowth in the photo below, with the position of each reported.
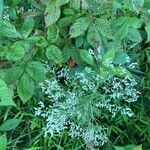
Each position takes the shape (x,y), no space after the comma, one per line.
(74,74)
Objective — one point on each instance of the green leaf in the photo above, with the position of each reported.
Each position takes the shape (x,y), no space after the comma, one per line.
(93,37)
(74,53)
(52,33)
(129,147)
(133,22)
(5,95)
(3,50)
(87,57)
(8,30)
(25,88)
(69,11)
(147,28)
(121,33)
(54,54)
(36,71)
(10,124)
(79,41)
(52,16)
(137,5)
(110,55)
(33,39)
(103,27)
(27,26)
(119,148)
(134,35)
(76,4)
(42,42)
(16,51)
(121,58)
(138,147)
(12,74)
(65,21)
(3,142)
(79,27)
(1,8)
(62,2)
(66,53)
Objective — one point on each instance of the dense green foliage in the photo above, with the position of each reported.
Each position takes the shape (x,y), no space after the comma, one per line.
(101,44)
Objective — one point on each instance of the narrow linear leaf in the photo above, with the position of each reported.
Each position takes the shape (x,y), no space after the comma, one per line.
(3,142)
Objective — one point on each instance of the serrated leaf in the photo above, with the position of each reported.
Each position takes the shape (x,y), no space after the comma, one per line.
(1,8)
(87,57)
(8,30)
(10,124)
(103,26)
(76,4)
(69,11)
(147,28)
(52,16)
(93,37)
(137,5)
(12,74)
(66,53)
(133,22)
(27,26)
(79,27)
(3,142)
(52,33)
(79,41)
(65,21)
(54,54)
(134,35)
(121,58)
(33,39)
(36,71)
(5,95)
(16,51)
(121,33)
(74,53)
(110,55)
(25,88)
(62,2)
(42,42)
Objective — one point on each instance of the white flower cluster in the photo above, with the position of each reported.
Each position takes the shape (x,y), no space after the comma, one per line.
(73,106)
(122,89)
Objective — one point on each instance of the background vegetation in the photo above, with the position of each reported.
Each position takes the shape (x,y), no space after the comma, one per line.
(59,33)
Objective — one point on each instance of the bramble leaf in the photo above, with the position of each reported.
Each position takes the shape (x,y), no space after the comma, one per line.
(79,27)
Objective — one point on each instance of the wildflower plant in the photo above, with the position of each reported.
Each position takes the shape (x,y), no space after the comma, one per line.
(89,79)
(85,100)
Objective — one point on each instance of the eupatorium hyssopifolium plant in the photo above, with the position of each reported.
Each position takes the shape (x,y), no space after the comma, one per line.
(63,31)
(85,102)
(93,33)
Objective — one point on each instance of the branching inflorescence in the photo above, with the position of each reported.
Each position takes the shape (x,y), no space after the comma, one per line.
(85,99)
